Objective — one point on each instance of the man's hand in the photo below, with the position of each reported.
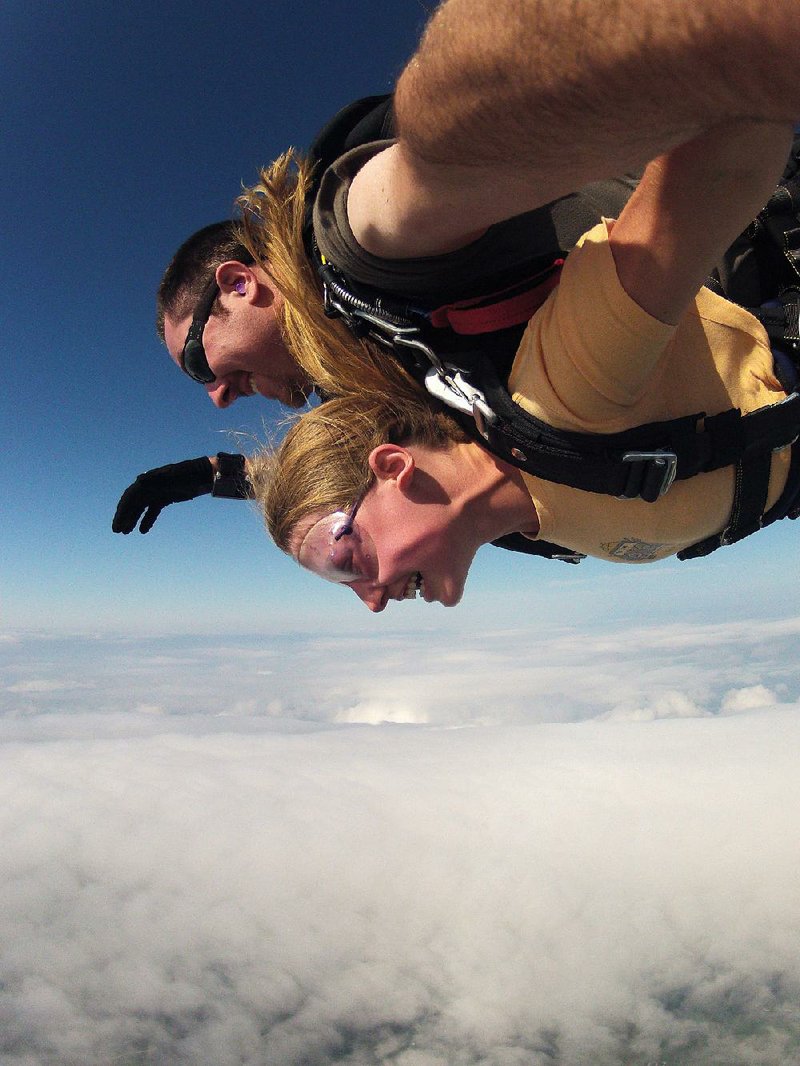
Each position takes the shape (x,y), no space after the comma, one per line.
(154,490)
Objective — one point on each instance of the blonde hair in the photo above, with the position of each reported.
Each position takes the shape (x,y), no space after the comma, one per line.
(322,463)
(271,228)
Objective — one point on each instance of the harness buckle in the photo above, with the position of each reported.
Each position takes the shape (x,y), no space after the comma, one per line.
(450,387)
(651,475)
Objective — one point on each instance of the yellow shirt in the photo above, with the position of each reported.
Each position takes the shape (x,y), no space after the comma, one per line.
(592,360)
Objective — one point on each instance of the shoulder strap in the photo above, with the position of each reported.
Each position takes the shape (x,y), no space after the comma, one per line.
(369,119)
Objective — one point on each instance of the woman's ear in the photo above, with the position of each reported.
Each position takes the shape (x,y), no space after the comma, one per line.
(392,462)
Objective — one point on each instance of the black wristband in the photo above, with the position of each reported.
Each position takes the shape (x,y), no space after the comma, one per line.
(230,480)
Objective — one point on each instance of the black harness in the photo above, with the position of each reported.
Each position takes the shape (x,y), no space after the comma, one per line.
(462,354)
(639,463)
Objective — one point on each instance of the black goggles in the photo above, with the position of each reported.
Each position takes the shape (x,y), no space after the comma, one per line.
(193,356)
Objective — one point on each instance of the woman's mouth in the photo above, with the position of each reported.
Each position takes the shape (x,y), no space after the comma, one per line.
(415,584)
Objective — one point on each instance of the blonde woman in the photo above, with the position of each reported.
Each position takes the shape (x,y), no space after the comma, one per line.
(378,491)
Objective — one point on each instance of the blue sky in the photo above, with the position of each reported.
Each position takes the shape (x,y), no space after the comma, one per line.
(125,129)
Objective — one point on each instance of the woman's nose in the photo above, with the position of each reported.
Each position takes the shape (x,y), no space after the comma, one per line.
(374,596)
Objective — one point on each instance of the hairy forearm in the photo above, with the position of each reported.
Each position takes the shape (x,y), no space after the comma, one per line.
(508,106)
(590,87)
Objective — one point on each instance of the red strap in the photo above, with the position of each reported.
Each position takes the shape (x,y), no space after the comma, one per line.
(463,317)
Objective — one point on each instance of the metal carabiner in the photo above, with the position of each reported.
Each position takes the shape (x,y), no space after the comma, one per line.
(452,388)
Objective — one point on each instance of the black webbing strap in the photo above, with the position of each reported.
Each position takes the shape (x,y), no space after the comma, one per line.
(635,464)
(782,320)
(779,220)
(786,506)
(747,512)
(518,542)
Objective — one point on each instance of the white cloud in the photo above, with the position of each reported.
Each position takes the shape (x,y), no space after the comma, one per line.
(747,699)
(39,685)
(666,705)
(246,891)
(379,710)
(473,675)
(554,844)
(148,708)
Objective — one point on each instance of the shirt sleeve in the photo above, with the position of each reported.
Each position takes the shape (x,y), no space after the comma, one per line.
(589,354)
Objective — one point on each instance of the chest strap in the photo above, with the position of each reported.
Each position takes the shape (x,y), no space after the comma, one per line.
(639,463)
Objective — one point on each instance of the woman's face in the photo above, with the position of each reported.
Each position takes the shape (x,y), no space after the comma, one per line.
(400,542)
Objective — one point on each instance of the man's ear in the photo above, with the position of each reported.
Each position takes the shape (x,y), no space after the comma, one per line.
(236,278)
(392,462)
(251,282)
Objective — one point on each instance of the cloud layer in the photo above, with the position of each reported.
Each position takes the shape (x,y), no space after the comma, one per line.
(562,847)
(530,673)
(566,893)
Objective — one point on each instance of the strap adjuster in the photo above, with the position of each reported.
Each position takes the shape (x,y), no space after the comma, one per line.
(651,475)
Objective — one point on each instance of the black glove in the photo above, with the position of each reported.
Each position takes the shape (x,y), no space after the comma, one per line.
(154,490)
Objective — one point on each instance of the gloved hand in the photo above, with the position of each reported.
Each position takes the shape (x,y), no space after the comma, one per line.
(154,490)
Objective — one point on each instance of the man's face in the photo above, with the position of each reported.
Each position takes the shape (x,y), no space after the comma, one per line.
(244,349)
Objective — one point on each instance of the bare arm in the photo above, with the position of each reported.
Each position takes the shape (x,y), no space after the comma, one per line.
(689,206)
(507,106)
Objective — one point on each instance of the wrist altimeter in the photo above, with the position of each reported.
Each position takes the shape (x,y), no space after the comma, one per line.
(230,478)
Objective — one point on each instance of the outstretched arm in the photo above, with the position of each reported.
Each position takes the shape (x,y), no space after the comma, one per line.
(144,500)
(507,106)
